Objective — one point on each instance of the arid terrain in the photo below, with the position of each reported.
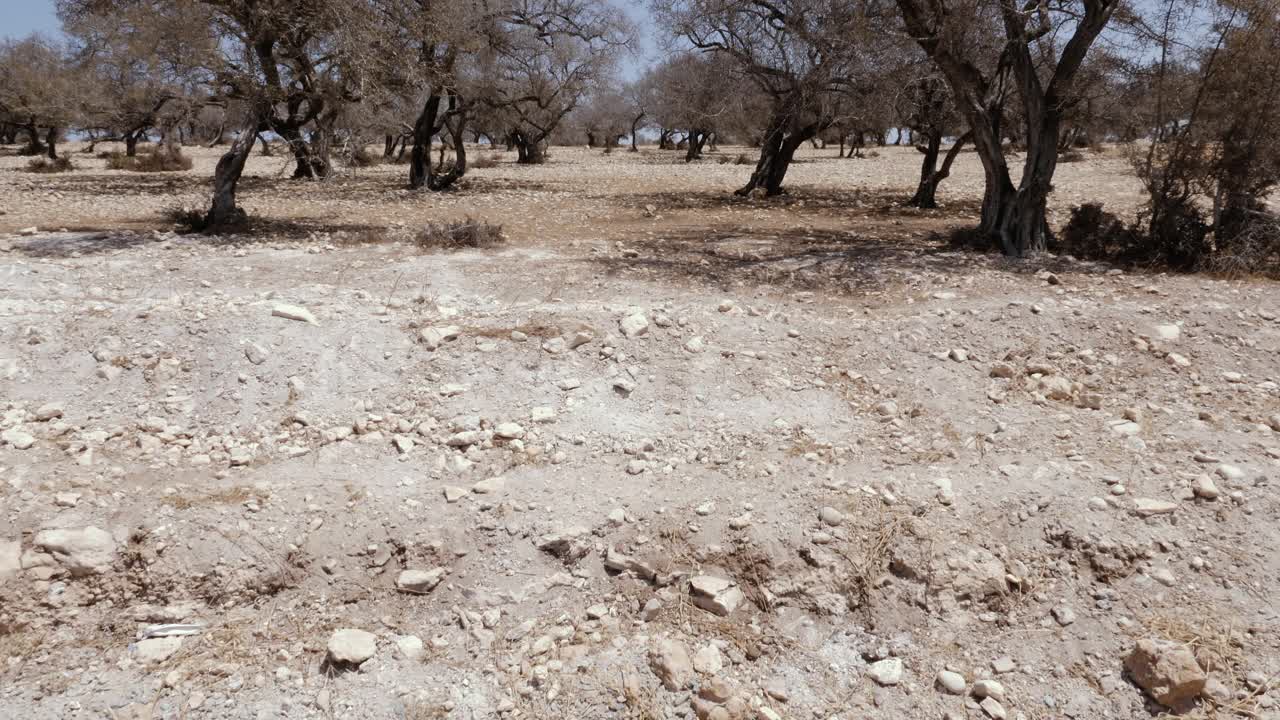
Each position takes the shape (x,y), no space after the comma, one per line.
(664,453)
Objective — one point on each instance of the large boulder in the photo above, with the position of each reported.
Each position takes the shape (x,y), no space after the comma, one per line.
(83,551)
(1167,671)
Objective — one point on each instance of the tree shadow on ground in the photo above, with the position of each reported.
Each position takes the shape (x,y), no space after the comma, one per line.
(810,260)
(866,261)
(838,201)
(80,243)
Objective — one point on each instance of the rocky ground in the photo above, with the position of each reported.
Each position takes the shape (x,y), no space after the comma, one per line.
(661,455)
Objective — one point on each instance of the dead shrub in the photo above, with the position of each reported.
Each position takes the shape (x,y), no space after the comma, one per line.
(361,157)
(483,161)
(469,233)
(185,219)
(1254,249)
(45,165)
(743,159)
(1094,234)
(160,159)
(1070,156)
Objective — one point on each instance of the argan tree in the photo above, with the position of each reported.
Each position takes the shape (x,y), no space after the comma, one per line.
(803,54)
(37,91)
(982,47)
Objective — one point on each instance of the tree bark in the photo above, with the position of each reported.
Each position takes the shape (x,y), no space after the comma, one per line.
(635,125)
(131,145)
(423,128)
(306,166)
(776,153)
(51,143)
(388,146)
(697,139)
(930,175)
(223,213)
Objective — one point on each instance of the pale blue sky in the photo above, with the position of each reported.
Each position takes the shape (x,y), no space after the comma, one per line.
(19,18)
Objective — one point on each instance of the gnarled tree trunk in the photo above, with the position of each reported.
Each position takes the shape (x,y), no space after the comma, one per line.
(51,143)
(776,153)
(223,213)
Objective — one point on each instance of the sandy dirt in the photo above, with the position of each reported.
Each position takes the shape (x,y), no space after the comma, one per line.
(663,454)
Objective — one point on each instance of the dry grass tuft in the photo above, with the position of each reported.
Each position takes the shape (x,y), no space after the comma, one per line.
(229,496)
(45,165)
(469,233)
(868,557)
(481,162)
(1219,649)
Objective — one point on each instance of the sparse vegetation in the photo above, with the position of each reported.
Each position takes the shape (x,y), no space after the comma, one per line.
(158,159)
(45,165)
(469,233)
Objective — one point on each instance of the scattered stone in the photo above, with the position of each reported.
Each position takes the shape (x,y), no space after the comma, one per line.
(17,438)
(1055,387)
(66,499)
(886,672)
(509,431)
(708,660)
(351,647)
(453,493)
(1164,576)
(598,611)
(831,516)
(153,651)
(695,344)
(1002,370)
(420,581)
(993,709)
(294,312)
(886,408)
(988,688)
(1177,360)
(48,411)
(410,647)
(1204,488)
(579,338)
(490,486)
(1003,665)
(669,660)
(1064,615)
(1147,507)
(715,595)
(951,682)
(1230,472)
(543,414)
(1168,332)
(1167,671)
(256,354)
(434,337)
(634,325)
